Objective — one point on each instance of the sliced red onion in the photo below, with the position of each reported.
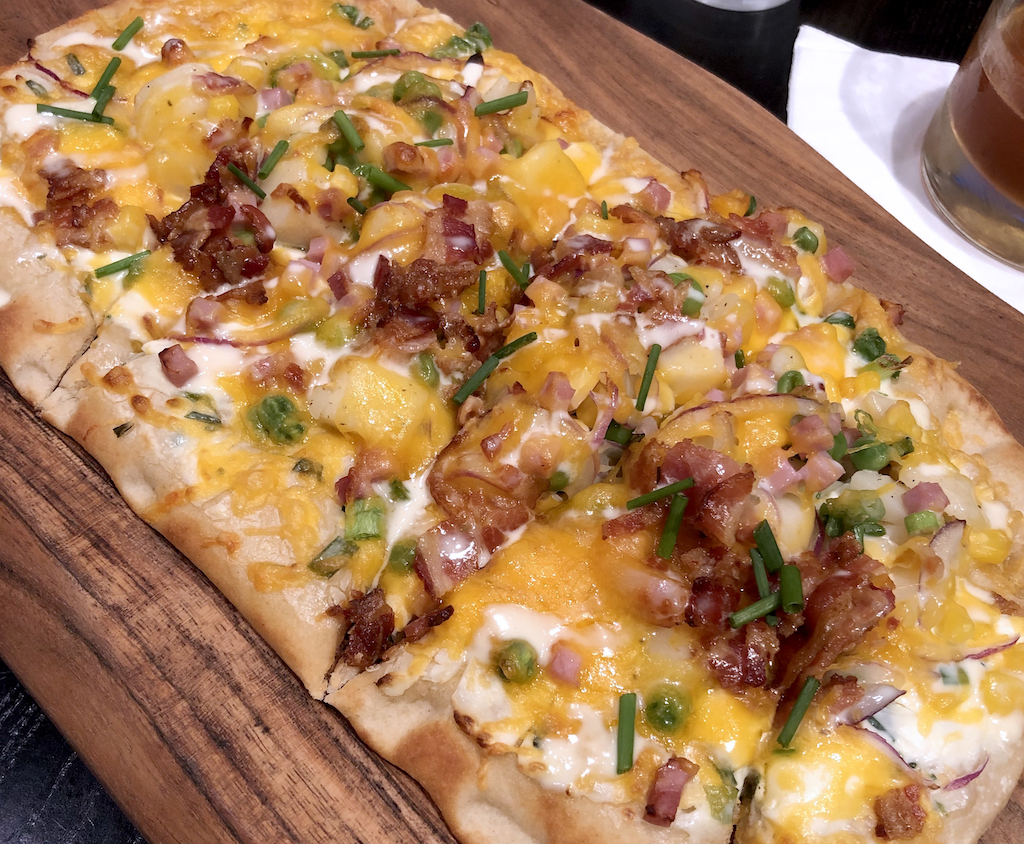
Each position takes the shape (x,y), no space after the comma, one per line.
(947,542)
(655,197)
(890,751)
(926,496)
(960,782)
(557,392)
(992,649)
(876,696)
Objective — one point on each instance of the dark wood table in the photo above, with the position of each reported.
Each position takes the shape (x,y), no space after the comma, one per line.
(47,796)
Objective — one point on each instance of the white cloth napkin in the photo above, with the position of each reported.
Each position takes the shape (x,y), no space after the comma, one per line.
(867,113)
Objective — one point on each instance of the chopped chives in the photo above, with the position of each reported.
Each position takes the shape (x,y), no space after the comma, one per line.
(841,318)
(515,345)
(800,707)
(106,76)
(374,54)
(475,380)
(768,547)
(489,365)
(379,179)
(87,116)
(355,203)
(763,587)
(117,266)
(243,177)
(436,142)
(521,278)
(740,359)
(502,103)
(199,416)
(751,206)
(342,121)
(275,156)
(658,494)
(760,573)
(604,209)
(481,299)
(645,384)
(761,607)
(791,589)
(123,428)
(129,32)
(619,434)
(790,380)
(36,88)
(626,731)
(102,99)
(76,66)
(667,542)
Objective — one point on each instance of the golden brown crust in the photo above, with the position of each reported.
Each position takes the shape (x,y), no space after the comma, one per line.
(484,797)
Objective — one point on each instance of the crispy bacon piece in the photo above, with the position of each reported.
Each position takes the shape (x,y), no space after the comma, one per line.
(372,465)
(837,613)
(761,240)
(742,658)
(178,367)
(700,242)
(458,231)
(711,602)
(216,83)
(418,627)
(894,310)
(417,286)
(371,622)
(74,208)
(667,789)
(201,232)
(899,814)
(445,556)
(570,257)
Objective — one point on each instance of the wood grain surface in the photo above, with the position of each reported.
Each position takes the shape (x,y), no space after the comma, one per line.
(185,715)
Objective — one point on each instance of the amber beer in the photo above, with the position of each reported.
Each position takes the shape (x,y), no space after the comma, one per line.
(973,156)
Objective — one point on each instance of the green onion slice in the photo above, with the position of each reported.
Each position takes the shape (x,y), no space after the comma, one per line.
(37,89)
(604,209)
(275,156)
(740,359)
(521,278)
(619,434)
(502,103)
(402,557)
(761,607)
(243,177)
(791,589)
(363,520)
(481,298)
(767,547)
(123,428)
(841,318)
(344,123)
(436,142)
(806,239)
(800,707)
(76,66)
(790,380)
(658,494)
(374,54)
(88,116)
(670,533)
(645,384)
(117,266)
(923,521)
(751,206)
(626,731)
(206,418)
(869,344)
(355,203)
(129,32)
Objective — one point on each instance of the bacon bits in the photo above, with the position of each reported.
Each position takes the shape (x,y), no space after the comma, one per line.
(900,814)
(178,367)
(372,623)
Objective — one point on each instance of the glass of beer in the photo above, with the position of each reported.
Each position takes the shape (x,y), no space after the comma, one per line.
(973,155)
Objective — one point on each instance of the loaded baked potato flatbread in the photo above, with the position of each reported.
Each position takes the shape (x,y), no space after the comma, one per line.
(602,504)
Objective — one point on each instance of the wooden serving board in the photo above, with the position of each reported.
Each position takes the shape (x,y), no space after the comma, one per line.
(192,723)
